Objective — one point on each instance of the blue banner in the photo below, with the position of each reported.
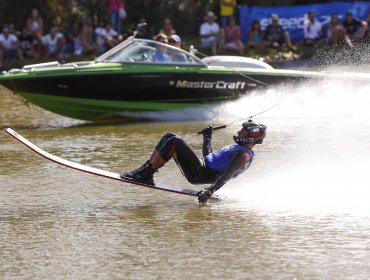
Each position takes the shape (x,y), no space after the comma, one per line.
(292,17)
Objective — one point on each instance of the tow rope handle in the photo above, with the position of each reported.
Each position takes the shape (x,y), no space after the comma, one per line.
(215,128)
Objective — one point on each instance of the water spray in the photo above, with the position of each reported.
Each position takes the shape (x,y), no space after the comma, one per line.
(193,51)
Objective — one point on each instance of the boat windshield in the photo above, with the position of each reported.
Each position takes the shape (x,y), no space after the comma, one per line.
(148,51)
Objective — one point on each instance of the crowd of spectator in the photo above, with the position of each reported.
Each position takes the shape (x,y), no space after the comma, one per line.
(226,34)
(34,41)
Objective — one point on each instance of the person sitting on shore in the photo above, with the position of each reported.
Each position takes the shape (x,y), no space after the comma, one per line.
(9,45)
(167,28)
(276,36)
(255,36)
(312,29)
(340,38)
(230,37)
(354,28)
(54,43)
(332,26)
(209,33)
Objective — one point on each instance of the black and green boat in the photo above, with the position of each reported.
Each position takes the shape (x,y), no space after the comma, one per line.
(126,79)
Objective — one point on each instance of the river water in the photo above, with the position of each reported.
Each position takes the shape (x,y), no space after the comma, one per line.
(301,211)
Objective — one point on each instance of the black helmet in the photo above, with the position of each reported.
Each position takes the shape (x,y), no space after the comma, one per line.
(256,133)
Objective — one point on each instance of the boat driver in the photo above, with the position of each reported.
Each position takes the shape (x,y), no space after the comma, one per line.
(216,168)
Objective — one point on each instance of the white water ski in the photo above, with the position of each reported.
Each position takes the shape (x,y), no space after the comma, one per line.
(96,171)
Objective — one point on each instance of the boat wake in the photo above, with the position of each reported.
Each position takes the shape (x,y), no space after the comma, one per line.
(325,99)
(316,155)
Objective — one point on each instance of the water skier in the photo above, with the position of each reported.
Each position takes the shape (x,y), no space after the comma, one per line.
(216,168)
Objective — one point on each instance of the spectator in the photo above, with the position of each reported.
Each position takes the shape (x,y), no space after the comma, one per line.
(340,38)
(167,28)
(230,37)
(35,23)
(26,43)
(84,44)
(9,45)
(160,54)
(312,29)
(99,35)
(54,43)
(276,36)
(175,40)
(110,36)
(354,27)
(106,36)
(209,33)
(332,27)
(255,36)
(227,9)
(13,30)
(114,7)
(72,35)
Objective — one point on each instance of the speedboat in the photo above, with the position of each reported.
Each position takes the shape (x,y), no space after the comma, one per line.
(128,78)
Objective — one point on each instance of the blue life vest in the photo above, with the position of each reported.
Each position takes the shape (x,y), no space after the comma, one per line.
(221,159)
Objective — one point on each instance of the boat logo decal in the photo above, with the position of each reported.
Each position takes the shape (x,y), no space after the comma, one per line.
(211,85)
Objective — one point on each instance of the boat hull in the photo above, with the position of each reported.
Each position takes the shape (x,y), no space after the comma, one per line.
(98,96)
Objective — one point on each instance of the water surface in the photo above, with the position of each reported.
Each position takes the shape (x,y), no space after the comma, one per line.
(300,212)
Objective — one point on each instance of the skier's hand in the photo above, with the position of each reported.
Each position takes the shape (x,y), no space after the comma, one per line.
(207,132)
(204,195)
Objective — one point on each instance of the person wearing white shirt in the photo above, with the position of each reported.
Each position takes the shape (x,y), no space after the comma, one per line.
(209,33)
(54,43)
(107,37)
(9,45)
(99,32)
(312,29)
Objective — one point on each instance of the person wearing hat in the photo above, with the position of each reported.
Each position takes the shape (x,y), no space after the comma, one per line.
(216,168)
(275,35)
(176,56)
(209,33)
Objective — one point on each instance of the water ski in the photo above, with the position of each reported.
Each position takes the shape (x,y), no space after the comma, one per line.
(99,172)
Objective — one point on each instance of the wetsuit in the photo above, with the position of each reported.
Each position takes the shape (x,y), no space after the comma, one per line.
(216,168)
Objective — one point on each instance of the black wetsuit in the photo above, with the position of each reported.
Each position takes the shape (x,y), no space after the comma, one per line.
(194,169)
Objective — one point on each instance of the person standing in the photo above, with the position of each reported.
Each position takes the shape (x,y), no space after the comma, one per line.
(114,8)
(227,9)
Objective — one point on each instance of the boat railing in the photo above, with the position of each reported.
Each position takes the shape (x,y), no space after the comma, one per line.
(41,65)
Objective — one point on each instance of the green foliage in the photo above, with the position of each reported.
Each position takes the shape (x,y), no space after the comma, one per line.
(186,15)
